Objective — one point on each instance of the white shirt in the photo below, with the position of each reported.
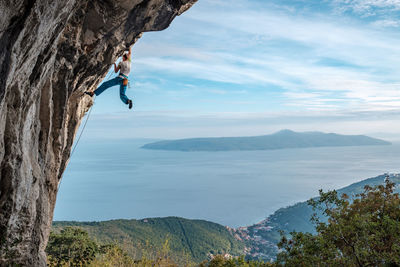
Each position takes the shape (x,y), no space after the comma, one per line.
(124,67)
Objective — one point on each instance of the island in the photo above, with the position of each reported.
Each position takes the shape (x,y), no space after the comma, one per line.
(279,140)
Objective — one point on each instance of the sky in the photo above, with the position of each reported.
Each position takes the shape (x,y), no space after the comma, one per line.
(254,67)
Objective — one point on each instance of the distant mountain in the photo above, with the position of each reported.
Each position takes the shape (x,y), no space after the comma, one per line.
(264,236)
(279,140)
(195,239)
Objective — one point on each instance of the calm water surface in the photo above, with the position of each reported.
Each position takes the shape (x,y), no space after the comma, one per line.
(116,179)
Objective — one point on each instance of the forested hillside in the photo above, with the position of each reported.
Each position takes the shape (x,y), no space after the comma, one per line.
(195,239)
(265,235)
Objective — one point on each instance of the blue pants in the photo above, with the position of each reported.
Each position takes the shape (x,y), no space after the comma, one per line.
(111,83)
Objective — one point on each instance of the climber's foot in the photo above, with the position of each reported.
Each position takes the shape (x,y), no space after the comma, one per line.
(130,104)
(89,93)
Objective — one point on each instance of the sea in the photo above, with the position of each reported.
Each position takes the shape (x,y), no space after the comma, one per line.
(116,179)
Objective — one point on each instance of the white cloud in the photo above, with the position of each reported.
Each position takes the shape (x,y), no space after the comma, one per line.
(367,6)
(328,72)
(249,56)
(386,23)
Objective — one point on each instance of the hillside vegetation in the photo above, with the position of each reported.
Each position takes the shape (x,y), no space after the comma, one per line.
(193,239)
(360,231)
(279,140)
(265,235)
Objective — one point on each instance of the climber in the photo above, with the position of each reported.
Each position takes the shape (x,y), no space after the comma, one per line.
(124,67)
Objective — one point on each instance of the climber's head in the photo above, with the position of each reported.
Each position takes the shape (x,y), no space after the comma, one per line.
(125,57)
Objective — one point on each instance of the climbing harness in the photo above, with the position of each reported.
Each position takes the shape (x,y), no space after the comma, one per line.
(125,80)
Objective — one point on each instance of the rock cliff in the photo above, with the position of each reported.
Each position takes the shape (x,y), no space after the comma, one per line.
(50,52)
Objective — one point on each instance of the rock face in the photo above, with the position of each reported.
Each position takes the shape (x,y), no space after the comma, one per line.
(50,52)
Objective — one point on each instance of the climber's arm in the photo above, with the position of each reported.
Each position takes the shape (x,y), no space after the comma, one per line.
(116,68)
(129,53)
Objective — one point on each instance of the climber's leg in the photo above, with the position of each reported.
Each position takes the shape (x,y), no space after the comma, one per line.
(106,85)
(122,95)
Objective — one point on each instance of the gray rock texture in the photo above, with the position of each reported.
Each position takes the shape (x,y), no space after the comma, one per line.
(50,52)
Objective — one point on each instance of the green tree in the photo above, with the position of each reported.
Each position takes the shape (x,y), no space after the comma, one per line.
(71,247)
(112,255)
(364,231)
(221,261)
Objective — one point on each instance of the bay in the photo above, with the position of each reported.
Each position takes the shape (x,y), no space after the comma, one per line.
(109,179)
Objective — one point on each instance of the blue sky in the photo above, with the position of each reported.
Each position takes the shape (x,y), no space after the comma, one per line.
(251,67)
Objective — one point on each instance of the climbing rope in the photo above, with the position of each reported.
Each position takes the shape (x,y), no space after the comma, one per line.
(87,118)
(108,76)
(84,126)
(83,129)
(77,141)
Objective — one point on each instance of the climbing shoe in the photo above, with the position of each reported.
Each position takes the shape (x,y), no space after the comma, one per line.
(130,104)
(89,93)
